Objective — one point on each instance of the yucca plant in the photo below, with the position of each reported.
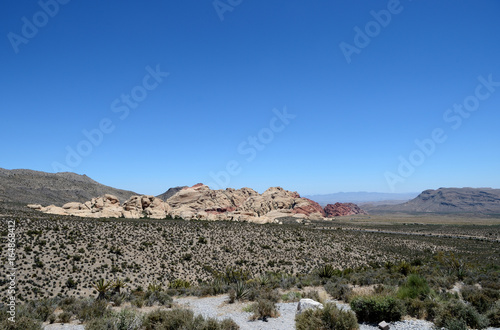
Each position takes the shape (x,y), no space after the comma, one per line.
(326,271)
(241,289)
(155,287)
(264,280)
(179,284)
(101,287)
(118,285)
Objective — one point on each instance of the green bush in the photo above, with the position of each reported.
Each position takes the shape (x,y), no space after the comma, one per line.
(452,312)
(330,317)
(414,287)
(375,309)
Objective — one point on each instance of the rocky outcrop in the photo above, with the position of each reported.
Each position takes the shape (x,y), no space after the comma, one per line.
(108,206)
(342,209)
(199,202)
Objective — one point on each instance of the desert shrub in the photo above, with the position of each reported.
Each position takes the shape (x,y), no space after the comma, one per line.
(137,302)
(228,324)
(481,299)
(264,309)
(457,310)
(494,314)
(233,275)
(269,294)
(184,319)
(216,287)
(330,317)
(37,309)
(153,297)
(414,287)
(404,268)
(455,324)
(232,296)
(124,320)
(291,296)
(421,309)
(65,317)
(375,309)
(22,322)
(117,299)
(173,319)
(339,291)
(52,318)
(87,309)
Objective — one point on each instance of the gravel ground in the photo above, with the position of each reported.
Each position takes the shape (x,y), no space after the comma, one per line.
(218,308)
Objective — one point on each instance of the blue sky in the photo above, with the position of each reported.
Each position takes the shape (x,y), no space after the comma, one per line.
(321,121)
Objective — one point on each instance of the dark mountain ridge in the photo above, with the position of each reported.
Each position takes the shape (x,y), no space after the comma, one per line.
(28,186)
(449,200)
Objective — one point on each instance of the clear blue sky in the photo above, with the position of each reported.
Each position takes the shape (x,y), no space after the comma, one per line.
(352,121)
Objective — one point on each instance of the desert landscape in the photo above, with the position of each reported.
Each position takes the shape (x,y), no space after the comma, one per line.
(252,165)
(110,259)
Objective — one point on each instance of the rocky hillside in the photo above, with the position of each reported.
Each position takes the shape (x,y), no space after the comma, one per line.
(199,202)
(450,200)
(170,192)
(27,186)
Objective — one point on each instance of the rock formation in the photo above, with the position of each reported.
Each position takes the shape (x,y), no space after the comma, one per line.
(342,209)
(199,202)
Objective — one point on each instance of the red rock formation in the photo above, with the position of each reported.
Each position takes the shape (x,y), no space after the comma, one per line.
(310,207)
(342,209)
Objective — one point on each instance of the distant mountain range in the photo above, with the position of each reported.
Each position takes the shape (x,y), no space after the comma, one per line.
(362,197)
(27,186)
(449,200)
(34,187)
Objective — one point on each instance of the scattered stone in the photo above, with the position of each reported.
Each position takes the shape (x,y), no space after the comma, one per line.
(305,304)
(383,325)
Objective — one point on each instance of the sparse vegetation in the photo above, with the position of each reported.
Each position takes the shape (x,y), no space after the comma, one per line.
(82,265)
(330,317)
